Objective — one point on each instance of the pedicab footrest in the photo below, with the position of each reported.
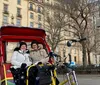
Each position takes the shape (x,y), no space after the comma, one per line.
(19,75)
(40,75)
(37,75)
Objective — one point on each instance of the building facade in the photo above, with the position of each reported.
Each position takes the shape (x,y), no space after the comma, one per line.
(30,13)
(21,13)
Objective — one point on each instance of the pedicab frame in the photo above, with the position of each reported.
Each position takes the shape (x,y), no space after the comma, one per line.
(16,34)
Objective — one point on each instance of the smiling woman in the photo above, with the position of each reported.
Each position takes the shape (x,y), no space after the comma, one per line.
(10,46)
(20,56)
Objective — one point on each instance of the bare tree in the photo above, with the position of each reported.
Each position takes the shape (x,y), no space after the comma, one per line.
(90,44)
(79,13)
(54,25)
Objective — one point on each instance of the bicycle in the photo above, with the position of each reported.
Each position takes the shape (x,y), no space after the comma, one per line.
(46,74)
(71,78)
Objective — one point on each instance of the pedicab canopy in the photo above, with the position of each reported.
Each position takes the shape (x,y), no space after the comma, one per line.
(11,35)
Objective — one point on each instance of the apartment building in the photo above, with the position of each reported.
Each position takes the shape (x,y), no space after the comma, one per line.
(31,13)
(76,51)
(22,13)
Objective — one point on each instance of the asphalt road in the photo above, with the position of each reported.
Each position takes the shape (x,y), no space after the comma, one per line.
(89,79)
(86,79)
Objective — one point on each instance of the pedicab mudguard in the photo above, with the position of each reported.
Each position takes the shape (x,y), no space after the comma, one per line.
(39,74)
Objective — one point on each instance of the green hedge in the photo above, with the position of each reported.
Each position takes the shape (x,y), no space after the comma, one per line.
(80,70)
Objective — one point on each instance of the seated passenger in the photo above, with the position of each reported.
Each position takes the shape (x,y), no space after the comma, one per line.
(20,55)
(42,50)
(35,54)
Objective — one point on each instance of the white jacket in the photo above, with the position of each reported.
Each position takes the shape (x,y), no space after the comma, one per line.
(20,57)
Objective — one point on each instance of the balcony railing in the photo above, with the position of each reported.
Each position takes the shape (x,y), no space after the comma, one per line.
(6,12)
(30,8)
(19,15)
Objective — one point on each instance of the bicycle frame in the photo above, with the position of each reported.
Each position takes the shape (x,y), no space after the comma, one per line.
(53,74)
(71,79)
(70,76)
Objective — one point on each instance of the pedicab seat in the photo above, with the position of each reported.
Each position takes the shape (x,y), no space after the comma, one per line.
(7,71)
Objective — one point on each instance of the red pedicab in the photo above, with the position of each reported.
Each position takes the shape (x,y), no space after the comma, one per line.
(9,38)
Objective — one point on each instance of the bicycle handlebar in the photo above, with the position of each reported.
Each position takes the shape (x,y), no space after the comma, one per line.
(69,43)
(79,40)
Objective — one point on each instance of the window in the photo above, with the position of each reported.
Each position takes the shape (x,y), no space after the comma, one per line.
(31,24)
(10,46)
(69,33)
(18,11)
(75,51)
(39,9)
(31,15)
(31,6)
(18,2)
(5,7)
(39,25)
(39,17)
(18,22)
(5,20)
(75,58)
(40,1)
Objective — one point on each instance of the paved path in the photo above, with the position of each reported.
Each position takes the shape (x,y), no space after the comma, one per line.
(86,79)
(89,79)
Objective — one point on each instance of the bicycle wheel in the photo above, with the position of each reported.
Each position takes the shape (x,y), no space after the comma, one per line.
(65,80)
(74,77)
(72,80)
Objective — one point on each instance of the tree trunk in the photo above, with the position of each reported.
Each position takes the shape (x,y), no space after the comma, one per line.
(84,54)
(89,59)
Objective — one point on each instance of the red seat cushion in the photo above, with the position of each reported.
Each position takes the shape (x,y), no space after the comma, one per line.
(9,74)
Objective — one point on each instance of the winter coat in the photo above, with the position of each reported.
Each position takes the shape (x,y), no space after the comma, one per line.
(38,56)
(43,53)
(20,57)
